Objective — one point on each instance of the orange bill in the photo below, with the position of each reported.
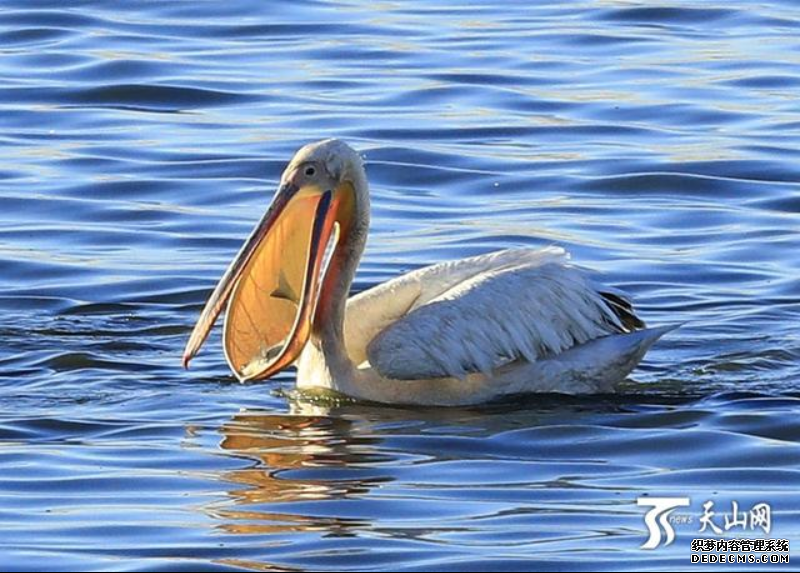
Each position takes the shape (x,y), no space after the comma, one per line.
(272,286)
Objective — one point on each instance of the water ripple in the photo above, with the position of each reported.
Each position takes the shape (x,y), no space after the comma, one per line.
(656,141)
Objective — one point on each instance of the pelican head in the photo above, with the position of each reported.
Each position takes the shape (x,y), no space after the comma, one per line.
(293,265)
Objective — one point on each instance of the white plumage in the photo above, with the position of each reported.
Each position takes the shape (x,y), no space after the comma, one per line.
(454,333)
(520,304)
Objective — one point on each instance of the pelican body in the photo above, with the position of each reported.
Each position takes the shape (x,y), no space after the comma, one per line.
(456,333)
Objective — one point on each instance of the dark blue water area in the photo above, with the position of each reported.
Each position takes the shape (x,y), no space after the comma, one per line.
(659,142)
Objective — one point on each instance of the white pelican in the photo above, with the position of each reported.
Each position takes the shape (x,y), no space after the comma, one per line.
(455,333)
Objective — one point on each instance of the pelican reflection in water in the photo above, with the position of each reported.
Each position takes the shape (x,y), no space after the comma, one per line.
(455,333)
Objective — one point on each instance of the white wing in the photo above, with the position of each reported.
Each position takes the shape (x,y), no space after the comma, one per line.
(480,313)
(373,310)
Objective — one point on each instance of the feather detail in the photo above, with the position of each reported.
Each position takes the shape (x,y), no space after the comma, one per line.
(526,305)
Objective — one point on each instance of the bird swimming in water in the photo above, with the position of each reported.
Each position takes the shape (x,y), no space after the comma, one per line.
(455,333)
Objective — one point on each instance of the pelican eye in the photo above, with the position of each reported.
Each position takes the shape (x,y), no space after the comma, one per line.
(310,171)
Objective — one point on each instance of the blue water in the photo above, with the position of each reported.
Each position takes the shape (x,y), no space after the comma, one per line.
(139,142)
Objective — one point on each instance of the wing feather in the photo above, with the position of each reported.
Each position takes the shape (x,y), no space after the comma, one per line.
(373,310)
(525,307)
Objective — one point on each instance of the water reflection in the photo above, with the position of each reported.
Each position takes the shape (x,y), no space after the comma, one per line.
(353,479)
(539,477)
(319,452)
(296,458)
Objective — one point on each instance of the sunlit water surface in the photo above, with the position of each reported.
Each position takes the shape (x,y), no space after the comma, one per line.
(657,141)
